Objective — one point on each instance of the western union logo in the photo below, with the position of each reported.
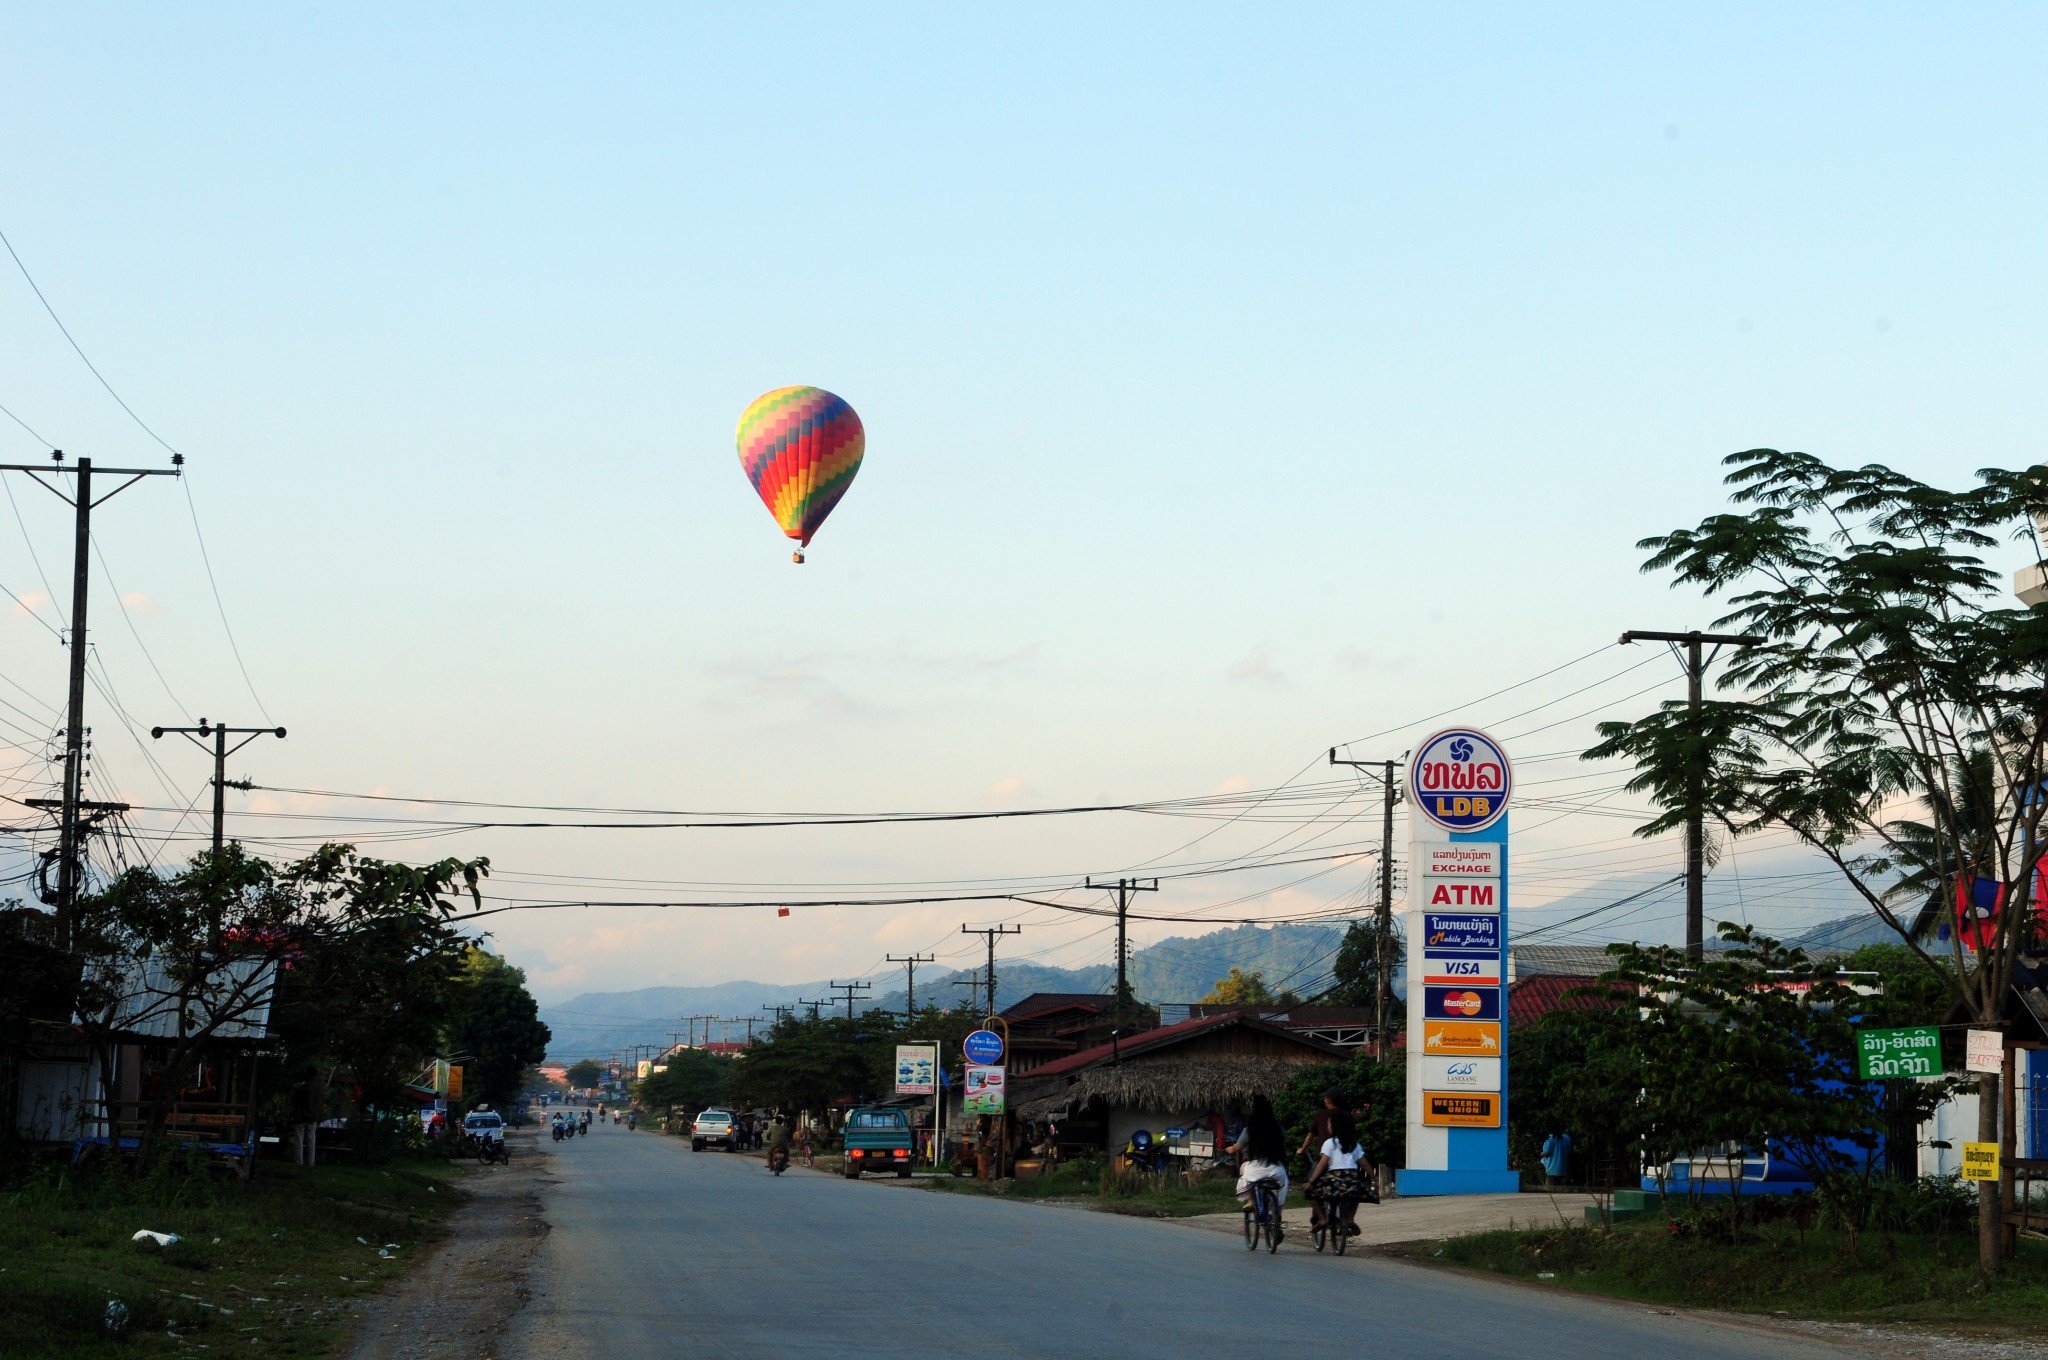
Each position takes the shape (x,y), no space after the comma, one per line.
(1461,1109)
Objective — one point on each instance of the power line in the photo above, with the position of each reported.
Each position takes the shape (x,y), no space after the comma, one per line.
(48,589)
(24,425)
(66,331)
(122,603)
(220,607)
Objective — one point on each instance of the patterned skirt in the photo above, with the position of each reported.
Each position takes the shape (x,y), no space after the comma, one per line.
(1340,1185)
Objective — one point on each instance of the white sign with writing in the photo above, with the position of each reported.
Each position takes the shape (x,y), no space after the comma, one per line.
(1462,876)
(1986,1052)
(917,1069)
(1460,1074)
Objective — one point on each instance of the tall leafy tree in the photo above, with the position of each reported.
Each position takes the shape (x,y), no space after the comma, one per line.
(494,1024)
(693,1079)
(351,959)
(1892,660)
(1239,988)
(1356,970)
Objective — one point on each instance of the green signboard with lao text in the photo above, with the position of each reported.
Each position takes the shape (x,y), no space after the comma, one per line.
(1884,1053)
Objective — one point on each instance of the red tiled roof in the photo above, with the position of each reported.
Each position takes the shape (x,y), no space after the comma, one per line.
(1167,1037)
(1531,998)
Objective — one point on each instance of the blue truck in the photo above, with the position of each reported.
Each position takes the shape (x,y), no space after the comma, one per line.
(878,1138)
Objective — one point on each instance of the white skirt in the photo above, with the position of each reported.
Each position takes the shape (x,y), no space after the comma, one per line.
(1262,1171)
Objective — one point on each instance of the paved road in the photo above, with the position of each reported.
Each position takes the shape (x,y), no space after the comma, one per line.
(655,1251)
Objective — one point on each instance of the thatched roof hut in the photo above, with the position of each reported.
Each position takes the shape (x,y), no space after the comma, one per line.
(1208,1064)
(1169,1084)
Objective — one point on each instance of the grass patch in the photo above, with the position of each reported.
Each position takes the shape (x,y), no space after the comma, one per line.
(1906,1278)
(263,1269)
(1088,1182)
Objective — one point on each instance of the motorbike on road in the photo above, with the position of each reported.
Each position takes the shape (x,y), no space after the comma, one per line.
(778,1159)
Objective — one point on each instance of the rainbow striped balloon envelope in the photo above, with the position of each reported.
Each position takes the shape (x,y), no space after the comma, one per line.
(800,447)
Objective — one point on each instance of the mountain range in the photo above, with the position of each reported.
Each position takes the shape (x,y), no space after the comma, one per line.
(1181,968)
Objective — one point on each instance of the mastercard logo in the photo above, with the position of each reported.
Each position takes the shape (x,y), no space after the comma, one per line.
(1463,1003)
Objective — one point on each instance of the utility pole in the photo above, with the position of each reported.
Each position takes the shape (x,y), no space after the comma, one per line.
(70,862)
(992,932)
(909,962)
(813,1005)
(1383,924)
(852,990)
(1695,820)
(221,752)
(1123,889)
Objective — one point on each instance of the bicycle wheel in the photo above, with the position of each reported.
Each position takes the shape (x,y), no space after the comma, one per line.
(1340,1226)
(1318,1233)
(1251,1223)
(1272,1222)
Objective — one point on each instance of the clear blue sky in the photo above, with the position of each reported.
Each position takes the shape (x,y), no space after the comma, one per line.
(1237,382)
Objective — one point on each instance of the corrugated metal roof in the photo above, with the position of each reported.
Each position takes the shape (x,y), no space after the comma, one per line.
(1567,960)
(150,1006)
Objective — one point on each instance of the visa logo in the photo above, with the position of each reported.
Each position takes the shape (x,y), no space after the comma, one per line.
(1466,968)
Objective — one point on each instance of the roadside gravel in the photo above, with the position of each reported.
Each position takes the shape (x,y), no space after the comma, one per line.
(458,1300)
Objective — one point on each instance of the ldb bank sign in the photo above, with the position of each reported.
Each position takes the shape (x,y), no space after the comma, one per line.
(1459,784)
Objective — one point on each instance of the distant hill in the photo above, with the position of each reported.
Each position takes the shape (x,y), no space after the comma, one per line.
(1298,957)
(1848,933)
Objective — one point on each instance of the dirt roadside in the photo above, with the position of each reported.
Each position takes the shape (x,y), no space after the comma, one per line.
(457,1301)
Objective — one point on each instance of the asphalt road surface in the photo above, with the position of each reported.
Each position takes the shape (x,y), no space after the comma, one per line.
(656,1251)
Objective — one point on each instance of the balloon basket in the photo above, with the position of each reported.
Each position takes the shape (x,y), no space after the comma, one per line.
(797,556)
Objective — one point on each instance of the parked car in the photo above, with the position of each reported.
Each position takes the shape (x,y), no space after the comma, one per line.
(486,1125)
(878,1138)
(713,1126)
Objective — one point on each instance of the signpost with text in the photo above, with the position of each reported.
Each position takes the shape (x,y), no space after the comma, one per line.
(1459,781)
(1882,1053)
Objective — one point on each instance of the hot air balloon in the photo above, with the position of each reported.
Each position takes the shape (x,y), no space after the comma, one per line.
(800,447)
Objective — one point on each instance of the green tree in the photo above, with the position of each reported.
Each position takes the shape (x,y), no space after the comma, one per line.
(1239,989)
(375,968)
(693,1079)
(1376,1092)
(1972,784)
(1752,1046)
(494,1023)
(1891,665)
(584,1074)
(1356,970)
(807,1064)
(351,961)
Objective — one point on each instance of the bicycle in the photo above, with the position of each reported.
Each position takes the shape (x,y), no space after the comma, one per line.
(1333,1225)
(1262,1216)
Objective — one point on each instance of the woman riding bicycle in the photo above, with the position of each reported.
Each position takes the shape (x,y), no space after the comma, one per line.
(1340,1170)
(1263,1146)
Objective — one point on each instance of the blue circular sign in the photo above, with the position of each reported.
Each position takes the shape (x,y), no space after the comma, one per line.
(983,1047)
(1460,779)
